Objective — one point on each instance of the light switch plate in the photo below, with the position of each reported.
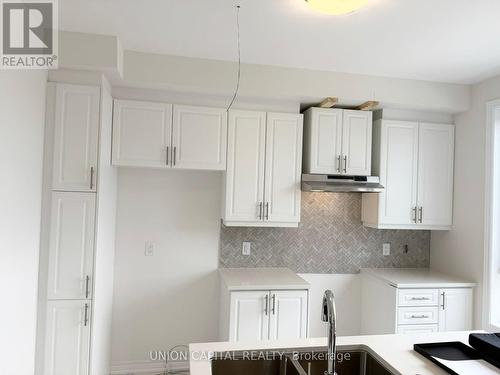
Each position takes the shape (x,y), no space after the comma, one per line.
(246,248)
(386,249)
(149,248)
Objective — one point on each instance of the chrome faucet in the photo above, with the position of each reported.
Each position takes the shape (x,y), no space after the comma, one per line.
(328,315)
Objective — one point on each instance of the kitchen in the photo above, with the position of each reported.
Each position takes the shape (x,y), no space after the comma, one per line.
(169,220)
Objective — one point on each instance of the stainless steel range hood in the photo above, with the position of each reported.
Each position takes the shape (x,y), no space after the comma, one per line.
(341,184)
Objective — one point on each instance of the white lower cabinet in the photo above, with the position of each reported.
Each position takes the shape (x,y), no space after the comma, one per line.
(266,315)
(67,340)
(455,310)
(249,317)
(418,328)
(387,309)
(288,315)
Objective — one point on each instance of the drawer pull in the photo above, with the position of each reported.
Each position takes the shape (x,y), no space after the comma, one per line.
(420,299)
(419,316)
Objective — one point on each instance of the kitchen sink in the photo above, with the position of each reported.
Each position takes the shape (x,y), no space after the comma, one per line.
(358,361)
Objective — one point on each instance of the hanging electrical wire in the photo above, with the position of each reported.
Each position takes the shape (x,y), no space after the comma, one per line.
(239,57)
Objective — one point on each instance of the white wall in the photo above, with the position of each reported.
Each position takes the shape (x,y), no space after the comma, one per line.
(461,250)
(347,292)
(171,297)
(22,109)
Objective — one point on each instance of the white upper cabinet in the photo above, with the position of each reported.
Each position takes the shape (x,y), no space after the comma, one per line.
(160,135)
(67,341)
(283,168)
(199,138)
(262,180)
(76,133)
(142,134)
(357,143)
(288,315)
(435,174)
(323,141)
(71,245)
(415,164)
(244,198)
(398,172)
(337,141)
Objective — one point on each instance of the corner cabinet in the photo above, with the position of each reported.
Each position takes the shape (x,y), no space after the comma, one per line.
(262,180)
(415,164)
(160,135)
(267,315)
(387,309)
(337,142)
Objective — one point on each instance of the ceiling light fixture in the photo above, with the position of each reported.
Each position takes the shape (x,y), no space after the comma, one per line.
(336,7)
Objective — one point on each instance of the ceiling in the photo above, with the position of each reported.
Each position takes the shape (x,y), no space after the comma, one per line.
(436,40)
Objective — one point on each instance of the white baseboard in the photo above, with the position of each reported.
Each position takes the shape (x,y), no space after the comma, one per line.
(146,367)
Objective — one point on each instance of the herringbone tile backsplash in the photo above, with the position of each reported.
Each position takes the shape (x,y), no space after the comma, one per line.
(329,239)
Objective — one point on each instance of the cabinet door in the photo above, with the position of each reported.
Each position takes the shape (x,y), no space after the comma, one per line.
(244,180)
(199,138)
(323,134)
(398,172)
(71,245)
(67,341)
(283,168)
(435,174)
(249,316)
(288,315)
(142,134)
(76,132)
(455,310)
(357,143)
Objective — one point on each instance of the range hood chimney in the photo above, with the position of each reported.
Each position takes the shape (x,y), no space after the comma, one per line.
(341,184)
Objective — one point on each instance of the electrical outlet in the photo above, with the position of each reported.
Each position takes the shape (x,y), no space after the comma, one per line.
(386,249)
(246,248)
(149,248)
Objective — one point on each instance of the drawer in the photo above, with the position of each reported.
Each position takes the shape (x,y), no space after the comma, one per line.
(418,297)
(418,315)
(418,328)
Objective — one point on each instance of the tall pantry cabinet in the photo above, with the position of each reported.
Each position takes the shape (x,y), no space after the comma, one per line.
(78,227)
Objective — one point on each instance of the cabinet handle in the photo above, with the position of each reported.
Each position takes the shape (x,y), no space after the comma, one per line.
(167,155)
(86,315)
(175,153)
(414,214)
(260,210)
(444,299)
(420,210)
(91,178)
(339,163)
(267,304)
(345,163)
(273,309)
(267,211)
(87,281)
(419,316)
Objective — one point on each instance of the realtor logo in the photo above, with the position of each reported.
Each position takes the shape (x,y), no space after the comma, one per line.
(29,34)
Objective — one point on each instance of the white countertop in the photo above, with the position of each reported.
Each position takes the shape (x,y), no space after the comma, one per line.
(262,279)
(417,278)
(393,351)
